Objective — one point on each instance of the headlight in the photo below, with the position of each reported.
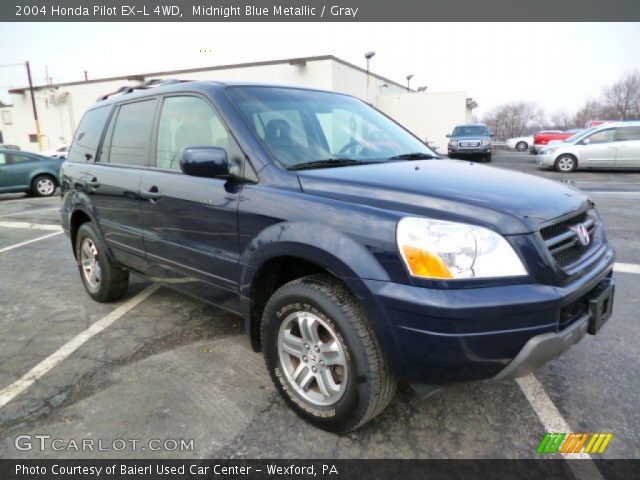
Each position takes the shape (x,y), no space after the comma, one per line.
(548,150)
(486,143)
(452,143)
(449,250)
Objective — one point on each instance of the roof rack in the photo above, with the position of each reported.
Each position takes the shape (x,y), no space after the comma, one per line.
(154,82)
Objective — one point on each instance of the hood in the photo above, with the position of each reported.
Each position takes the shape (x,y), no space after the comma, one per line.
(504,200)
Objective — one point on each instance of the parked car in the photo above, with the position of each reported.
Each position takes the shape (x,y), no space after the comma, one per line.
(27,172)
(541,139)
(355,255)
(609,145)
(521,144)
(470,141)
(61,151)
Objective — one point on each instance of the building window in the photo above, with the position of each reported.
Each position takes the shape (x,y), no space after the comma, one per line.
(6,117)
(33,138)
(1,138)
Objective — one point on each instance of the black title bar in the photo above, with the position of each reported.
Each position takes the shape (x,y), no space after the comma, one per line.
(316,10)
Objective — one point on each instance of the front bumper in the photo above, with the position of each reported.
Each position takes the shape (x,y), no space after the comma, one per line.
(470,151)
(546,160)
(437,336)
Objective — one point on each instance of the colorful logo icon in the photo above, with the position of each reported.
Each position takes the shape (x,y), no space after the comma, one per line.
(574,443)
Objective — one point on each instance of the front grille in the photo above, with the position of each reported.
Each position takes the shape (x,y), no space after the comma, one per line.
(563,240)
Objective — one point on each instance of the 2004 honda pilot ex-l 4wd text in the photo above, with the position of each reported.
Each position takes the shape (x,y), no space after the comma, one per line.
(356,255)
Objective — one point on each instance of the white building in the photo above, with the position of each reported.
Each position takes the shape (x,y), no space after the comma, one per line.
(60,106)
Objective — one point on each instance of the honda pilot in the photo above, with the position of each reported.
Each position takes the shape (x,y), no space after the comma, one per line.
(356,256)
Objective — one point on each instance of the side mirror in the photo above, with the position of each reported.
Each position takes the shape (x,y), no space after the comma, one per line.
(209,162)
(448,135)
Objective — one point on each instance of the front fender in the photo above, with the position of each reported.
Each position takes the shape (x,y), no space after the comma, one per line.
(316,243)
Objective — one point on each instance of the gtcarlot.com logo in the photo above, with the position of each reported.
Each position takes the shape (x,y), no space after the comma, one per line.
(574,443)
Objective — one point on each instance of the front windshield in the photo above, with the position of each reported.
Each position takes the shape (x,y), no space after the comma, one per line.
(470,131)
(303,126)
(581,134)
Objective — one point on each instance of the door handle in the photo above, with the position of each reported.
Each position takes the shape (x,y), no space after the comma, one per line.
(94,183)
(152,194)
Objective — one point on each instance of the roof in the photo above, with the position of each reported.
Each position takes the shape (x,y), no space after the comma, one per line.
(301,61)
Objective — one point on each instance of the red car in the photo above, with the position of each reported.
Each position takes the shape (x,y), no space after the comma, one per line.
(541,139)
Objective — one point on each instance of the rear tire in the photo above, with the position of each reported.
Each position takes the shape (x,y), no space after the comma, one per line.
(44,186)
(323,354)
(522,146)
(103,280)
(566,164)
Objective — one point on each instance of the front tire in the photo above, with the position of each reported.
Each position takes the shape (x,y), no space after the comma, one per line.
(488,158)
(103,280)
(566,164)
(522,146)
(43,186)
(324,356)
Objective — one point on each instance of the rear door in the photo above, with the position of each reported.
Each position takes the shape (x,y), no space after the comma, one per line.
(599,149)
(190,224)
(628,147)
(113,181)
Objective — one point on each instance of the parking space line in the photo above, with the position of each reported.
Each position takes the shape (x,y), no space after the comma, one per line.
(27,212)
(553,421)
(20,385)
(33,240)
(626,267)
(31,226)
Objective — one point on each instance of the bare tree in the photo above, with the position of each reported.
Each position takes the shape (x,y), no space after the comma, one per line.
(591,110)
(561,121)
(623,97)
(513,119)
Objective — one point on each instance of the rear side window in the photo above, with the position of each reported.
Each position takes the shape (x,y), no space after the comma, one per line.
(130,136)
(87,137)
(627,133)
(18,158)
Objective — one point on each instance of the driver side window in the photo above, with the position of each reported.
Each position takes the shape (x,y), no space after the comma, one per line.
(603,136)
(187,122)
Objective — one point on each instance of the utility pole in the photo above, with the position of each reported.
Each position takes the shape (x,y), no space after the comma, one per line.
(35,109)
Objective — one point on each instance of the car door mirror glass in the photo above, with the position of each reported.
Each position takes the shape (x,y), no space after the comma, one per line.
(209,162)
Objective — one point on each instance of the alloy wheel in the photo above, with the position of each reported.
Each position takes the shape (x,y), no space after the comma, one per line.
(312,357)
(89,259)
(45,186)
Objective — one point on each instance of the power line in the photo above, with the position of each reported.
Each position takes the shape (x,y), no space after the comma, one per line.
(12,65)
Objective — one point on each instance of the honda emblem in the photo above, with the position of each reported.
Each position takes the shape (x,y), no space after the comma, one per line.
(583,234)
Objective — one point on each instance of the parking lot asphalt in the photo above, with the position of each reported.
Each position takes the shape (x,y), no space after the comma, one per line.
(173,368)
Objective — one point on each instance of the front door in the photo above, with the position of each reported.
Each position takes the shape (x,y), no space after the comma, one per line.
(599,150)
(190,224)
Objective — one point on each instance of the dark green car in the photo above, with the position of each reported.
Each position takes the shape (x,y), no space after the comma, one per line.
(28,172)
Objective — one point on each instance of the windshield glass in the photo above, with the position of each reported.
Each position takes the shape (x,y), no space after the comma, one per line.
(302,126)
(579,135)
(470,131)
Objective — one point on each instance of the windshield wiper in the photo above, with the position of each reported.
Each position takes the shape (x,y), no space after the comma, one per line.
(414,156)
(329,162)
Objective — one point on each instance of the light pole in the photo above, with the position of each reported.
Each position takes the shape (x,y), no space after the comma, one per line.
(368,56)
(409,77)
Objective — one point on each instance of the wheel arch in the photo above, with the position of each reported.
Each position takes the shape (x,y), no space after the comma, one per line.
(298,250)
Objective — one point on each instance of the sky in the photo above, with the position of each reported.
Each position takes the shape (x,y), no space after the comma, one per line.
(557,65)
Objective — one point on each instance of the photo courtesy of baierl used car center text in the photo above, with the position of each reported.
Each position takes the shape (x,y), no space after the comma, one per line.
(295,239)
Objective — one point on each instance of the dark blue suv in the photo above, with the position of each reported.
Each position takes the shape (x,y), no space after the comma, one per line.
(356,256)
